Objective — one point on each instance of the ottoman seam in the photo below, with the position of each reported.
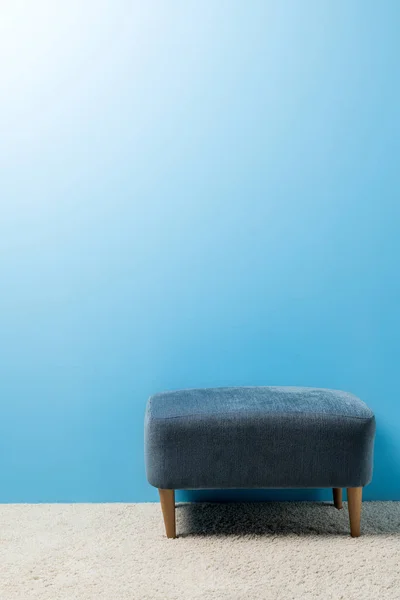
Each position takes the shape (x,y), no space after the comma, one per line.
(282,414)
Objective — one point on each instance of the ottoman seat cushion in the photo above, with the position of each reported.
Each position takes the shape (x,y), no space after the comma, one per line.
(258,437)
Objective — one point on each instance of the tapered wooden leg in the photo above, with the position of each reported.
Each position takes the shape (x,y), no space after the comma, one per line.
(167,499)
(354,498)
(337,497)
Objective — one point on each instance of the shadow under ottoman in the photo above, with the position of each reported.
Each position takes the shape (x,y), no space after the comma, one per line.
(259,437)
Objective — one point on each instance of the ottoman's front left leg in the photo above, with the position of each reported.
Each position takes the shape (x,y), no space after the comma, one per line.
(354,499)
(167,499)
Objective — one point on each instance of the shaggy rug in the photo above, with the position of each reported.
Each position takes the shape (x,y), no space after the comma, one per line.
(224,552)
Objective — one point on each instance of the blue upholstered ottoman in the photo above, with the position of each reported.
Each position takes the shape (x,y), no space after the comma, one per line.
(259,437)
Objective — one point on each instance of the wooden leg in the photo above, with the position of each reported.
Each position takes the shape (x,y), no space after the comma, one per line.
(337,497)
(167,499)
(354,498)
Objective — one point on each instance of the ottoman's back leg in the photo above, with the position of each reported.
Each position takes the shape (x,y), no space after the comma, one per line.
(167,499)
(337,497)
(354,498)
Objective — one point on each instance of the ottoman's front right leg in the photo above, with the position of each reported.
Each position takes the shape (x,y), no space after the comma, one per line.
(354,499)
(167,499)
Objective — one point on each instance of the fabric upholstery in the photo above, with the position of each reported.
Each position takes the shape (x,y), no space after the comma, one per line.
(258,437)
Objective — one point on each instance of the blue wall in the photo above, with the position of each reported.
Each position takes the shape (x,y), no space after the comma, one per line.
(192,194)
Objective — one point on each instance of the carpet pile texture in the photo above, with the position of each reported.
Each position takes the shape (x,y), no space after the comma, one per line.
(224,552)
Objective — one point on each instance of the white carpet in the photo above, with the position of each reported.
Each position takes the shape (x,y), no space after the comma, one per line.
(225,551)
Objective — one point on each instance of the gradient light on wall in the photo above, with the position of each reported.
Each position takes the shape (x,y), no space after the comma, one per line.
(192,194)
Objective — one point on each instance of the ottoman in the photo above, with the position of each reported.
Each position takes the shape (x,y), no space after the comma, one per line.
(259,437)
